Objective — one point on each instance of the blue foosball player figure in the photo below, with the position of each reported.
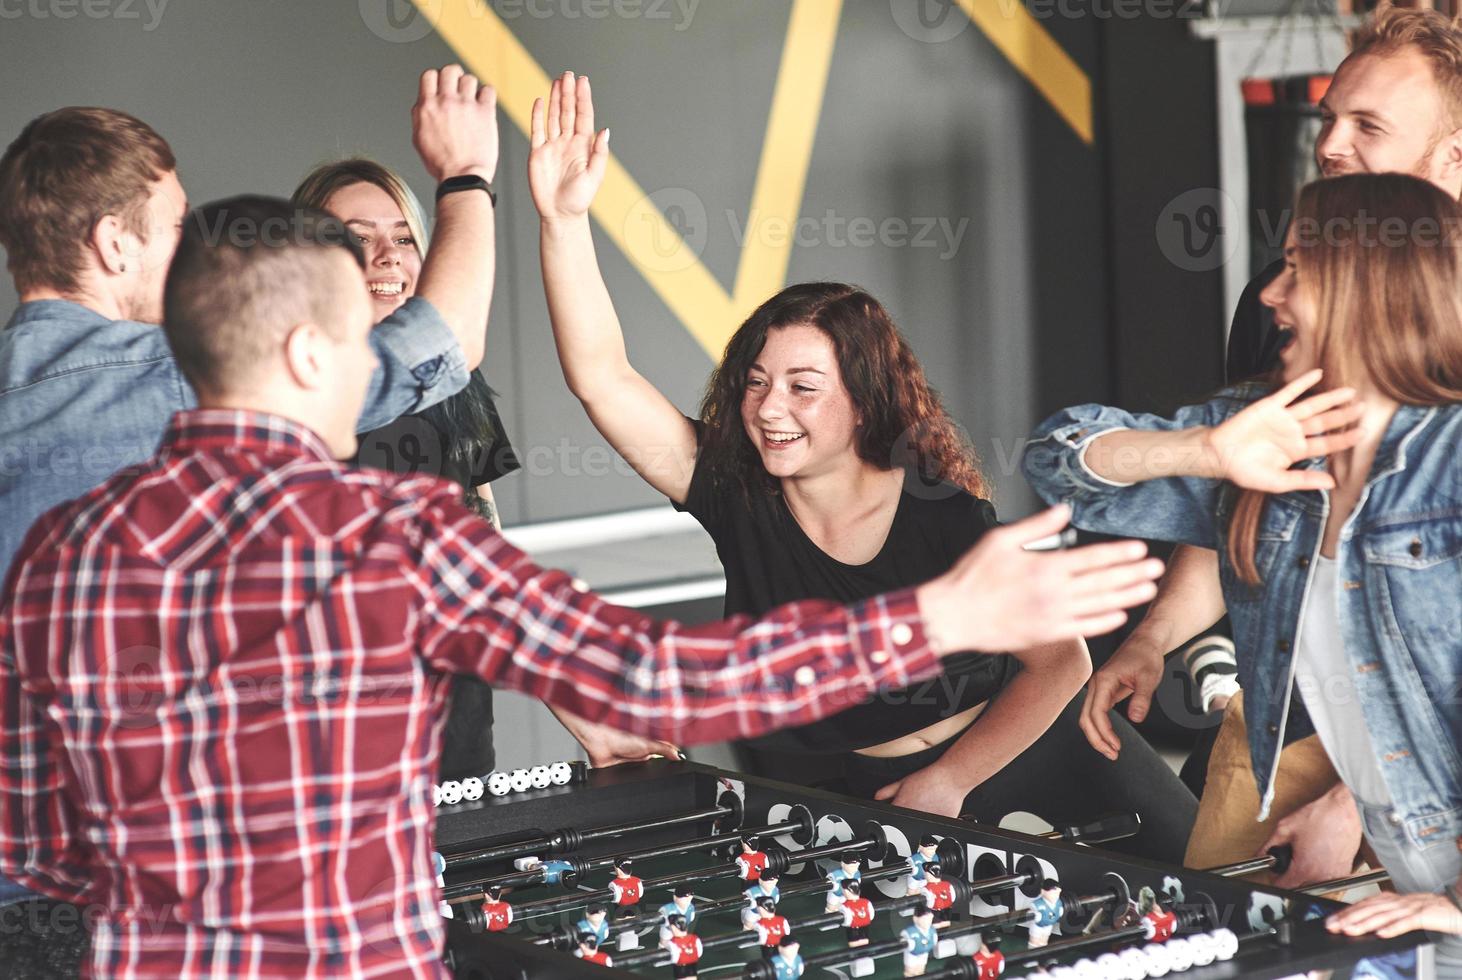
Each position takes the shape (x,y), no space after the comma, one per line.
(788,961)
(765,887)
(682,903)
(920,938)
(849,869)
(923,854)
(596,922)
(1046,910)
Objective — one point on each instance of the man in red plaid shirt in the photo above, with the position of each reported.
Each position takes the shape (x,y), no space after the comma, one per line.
(222,672)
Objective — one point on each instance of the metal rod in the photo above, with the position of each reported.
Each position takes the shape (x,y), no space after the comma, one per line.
(1241,868)
(550,842)
(1344,884)
(466,891)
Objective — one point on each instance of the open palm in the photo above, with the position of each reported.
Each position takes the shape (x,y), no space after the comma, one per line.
(1256,448)
(567,161)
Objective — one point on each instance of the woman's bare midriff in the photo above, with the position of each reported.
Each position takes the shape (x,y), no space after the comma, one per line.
(940,731)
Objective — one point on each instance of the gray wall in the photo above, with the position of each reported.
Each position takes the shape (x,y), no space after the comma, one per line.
(1011,323)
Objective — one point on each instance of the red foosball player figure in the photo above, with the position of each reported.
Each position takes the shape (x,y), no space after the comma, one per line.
(941,894)
(771,928)
(685,949)
(857,913)
(1161,924)
(989,959)
(589,950)
(751,862)
(626,888)
(499,914)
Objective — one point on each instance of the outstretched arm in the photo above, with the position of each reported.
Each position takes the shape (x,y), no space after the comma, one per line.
(1160,478)
(565,168)
(486,609)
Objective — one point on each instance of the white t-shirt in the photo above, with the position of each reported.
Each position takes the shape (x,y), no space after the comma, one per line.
(1326,682)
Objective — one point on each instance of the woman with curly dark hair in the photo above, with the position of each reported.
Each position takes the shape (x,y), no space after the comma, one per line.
(824,466)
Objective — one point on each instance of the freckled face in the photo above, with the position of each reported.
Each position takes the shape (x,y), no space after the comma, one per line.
(795,409)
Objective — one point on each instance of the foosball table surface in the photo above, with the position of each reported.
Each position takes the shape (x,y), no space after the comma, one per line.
(635,809)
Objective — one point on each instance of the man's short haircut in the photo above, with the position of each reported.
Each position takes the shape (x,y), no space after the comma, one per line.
(1437,37)
(246,271)
(66,171)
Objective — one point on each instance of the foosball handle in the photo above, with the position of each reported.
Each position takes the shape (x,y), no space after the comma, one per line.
(1110,827)
(1283,855)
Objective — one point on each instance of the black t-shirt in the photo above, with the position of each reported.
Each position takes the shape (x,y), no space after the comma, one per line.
(422,443)
(1253,339)
(770,561)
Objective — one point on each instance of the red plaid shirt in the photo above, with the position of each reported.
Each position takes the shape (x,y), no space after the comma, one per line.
(221,696)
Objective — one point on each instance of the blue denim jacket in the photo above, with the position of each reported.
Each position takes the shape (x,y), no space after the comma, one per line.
(1400,555)
(82,396)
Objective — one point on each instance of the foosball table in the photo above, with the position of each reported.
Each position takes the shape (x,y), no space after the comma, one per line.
(665,869)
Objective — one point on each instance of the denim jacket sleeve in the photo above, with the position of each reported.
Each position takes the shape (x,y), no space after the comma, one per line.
(421,364)
(1181,509)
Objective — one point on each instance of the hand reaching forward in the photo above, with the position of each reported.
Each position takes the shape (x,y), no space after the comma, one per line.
(1256,448)
(999,597)
(567,161)
(608,746)
(1135,670)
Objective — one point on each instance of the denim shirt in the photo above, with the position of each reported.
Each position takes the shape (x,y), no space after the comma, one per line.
(82,396)
(1400,563)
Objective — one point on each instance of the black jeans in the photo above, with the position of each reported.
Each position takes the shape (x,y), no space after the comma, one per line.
(1063,780)
(467,740)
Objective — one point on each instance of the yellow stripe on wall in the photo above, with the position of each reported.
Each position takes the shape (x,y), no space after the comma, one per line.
(1037,56)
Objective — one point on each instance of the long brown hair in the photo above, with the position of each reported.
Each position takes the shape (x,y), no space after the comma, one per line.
(1382,257)
(904,422)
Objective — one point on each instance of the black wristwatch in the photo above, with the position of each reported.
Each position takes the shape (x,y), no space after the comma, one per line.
(466,182)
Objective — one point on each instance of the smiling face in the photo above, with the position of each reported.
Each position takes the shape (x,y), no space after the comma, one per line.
(795,409)
(393,261)
(1384,113)
(1292,298)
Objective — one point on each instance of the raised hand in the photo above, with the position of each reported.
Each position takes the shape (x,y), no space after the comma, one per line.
(567,161)
(454,124)
(999,597)
(1256,448)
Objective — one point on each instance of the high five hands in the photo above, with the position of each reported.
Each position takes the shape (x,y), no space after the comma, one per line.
(567,161)
(1256,448)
